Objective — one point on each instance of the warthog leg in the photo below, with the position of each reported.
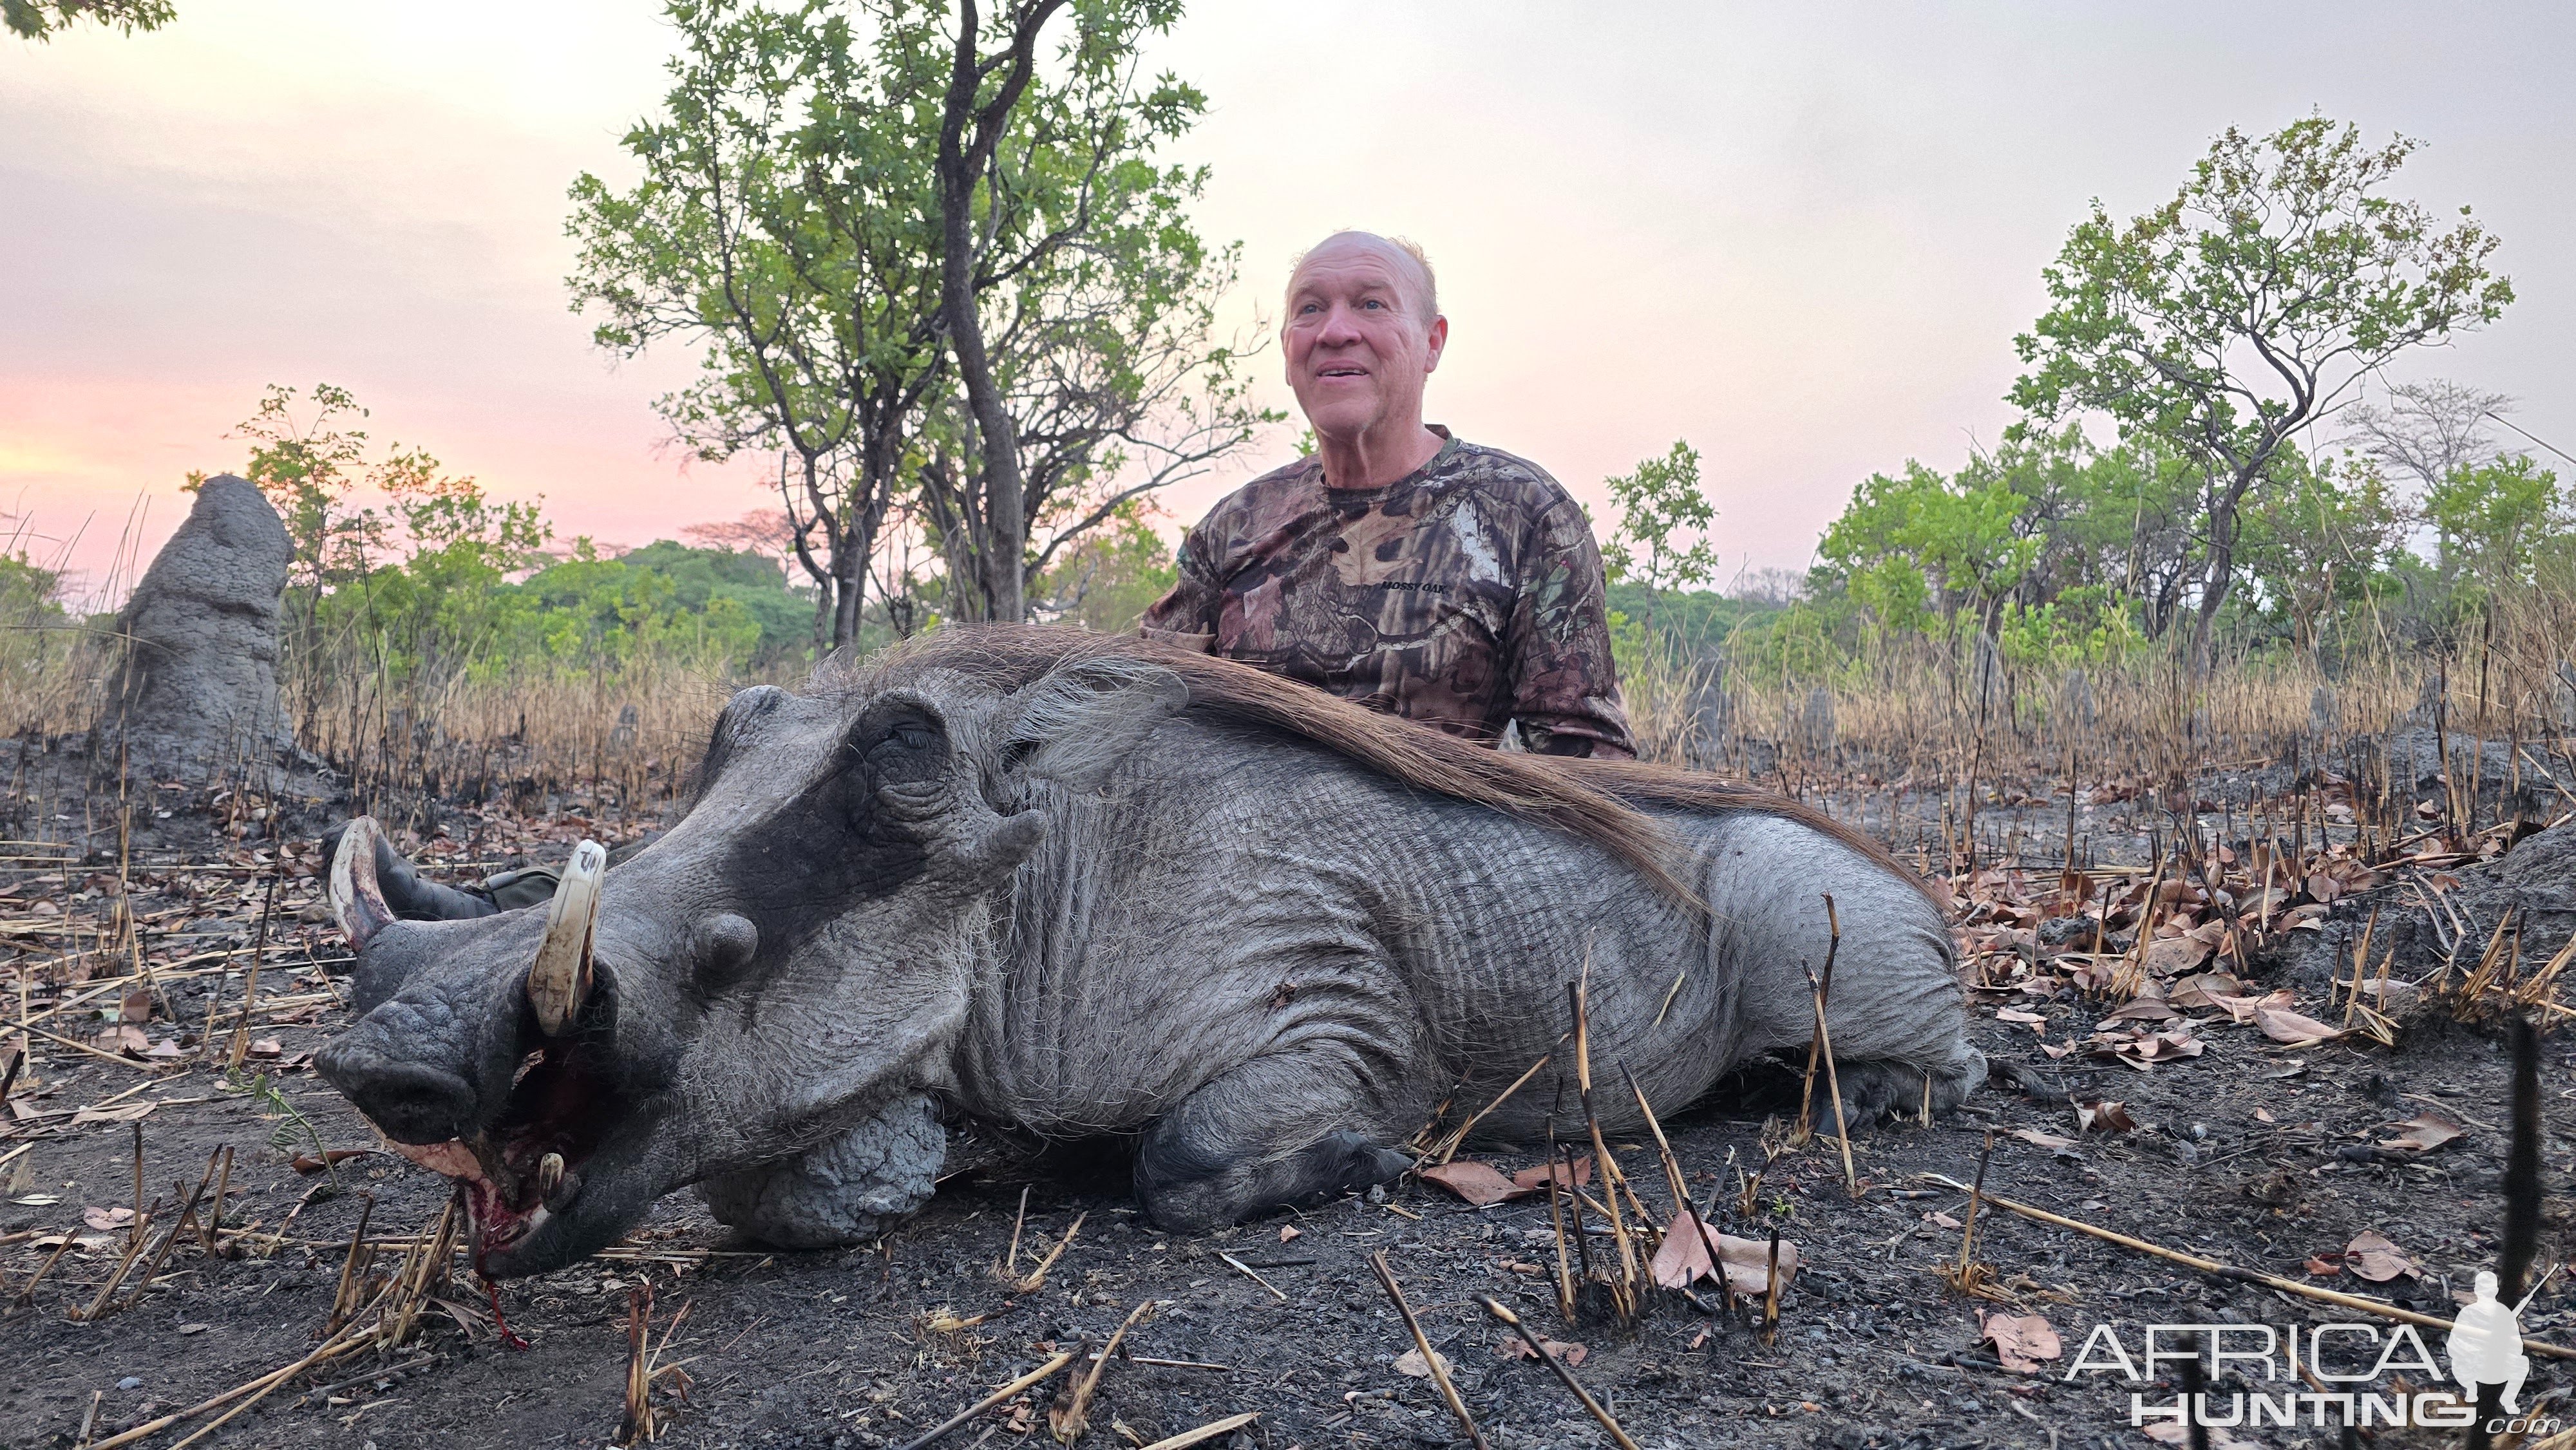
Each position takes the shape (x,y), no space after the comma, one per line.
(846,1191)
(1274,1131)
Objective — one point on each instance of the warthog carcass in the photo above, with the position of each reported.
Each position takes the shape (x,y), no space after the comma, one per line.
(1091,886)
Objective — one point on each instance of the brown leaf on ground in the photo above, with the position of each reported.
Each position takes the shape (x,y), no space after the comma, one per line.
(137,1006)
(104,1219)
(1478,1183)
(2146,1007)
(2176,954)
(2376,1259)
(1940,1219)
(1564,1353)
(1410,1364)
(2021,1341)
(2033,1020)
(2038,1139)
(2170,1046)
(1289,1233)
(2283,1025)
(124,1037)
(121,1113)
(2199,993)
(2423,1132)
(1682,1260)
(1535,1179)
(2104,1117)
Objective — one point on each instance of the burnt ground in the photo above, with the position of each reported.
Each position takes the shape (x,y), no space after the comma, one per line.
(2255,1152)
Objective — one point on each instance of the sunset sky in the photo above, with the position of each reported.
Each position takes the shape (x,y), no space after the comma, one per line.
(1801,237)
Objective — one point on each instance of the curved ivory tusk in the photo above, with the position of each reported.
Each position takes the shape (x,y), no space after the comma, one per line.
(560,980)
(356,900)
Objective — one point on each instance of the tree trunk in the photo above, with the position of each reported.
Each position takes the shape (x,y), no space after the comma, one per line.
(2217,581)
(962,161)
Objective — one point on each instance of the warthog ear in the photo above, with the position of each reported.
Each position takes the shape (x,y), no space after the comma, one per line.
(1075,725)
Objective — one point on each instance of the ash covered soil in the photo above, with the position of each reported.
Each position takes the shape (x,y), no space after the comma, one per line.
(2256,1151)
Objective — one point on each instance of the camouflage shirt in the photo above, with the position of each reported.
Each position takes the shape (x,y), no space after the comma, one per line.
(1464,595)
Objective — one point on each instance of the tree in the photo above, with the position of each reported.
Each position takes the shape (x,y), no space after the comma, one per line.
(1661,505)
(2248,308)
(2428,431)
(2491,521)
(39,19)
(1918,547)
(781,223)
(1075,298)
(794,220)
(2322,536)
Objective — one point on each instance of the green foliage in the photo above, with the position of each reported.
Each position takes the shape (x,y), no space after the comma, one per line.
(1661,506)
(2492,522)
(2251,306)
(1106,581)
(1920,546)
(786,224)
(440,582)
(39,19)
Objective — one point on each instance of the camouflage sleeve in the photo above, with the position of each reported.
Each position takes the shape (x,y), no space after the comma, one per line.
(1187,616)
(1565,687)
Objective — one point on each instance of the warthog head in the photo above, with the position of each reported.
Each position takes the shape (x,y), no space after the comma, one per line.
(796,951)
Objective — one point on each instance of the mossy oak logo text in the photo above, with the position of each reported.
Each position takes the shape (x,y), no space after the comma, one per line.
(2325,1376)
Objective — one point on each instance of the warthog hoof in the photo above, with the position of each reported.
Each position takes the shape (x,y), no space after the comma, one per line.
(844,1192)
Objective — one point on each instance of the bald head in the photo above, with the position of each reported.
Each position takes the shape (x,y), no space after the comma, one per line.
(1404,258)
(1362,334)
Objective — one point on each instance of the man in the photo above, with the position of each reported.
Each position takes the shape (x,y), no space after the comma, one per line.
(1397,566)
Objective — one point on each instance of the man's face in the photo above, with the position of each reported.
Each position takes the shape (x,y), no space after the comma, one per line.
(1358,340)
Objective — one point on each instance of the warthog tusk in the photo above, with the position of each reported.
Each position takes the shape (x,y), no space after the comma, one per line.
(550,1172)
(357,902)
(560,981)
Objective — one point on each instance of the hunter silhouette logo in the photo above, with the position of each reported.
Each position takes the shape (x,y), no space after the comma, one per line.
(2486,1343)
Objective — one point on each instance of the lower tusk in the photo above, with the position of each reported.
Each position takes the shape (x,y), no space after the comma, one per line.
(560,980)
(357,902)
(550,1172)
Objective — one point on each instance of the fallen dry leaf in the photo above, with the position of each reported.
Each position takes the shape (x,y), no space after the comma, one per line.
(2105,1117)
(1478,1183)
(1940,1219)
(1410,1365)
(2033,1020)
(2424,1132)
(121,1113)
(1289,1233)
(2376,1259)
(125,1037)
(2038,1139)
(2176,954)
(1682,1260)
(2199,993)
(1564,1353)
(137,1006)
(2283,1025)
(2021,1341)
(265,1047)
(104,1219)
(1535,1179)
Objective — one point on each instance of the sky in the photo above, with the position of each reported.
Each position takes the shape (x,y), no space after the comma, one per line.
(1800,237)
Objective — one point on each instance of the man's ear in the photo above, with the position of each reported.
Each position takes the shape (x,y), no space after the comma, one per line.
(1075,725)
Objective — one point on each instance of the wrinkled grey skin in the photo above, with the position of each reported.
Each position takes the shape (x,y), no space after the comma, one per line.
(1080,909)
